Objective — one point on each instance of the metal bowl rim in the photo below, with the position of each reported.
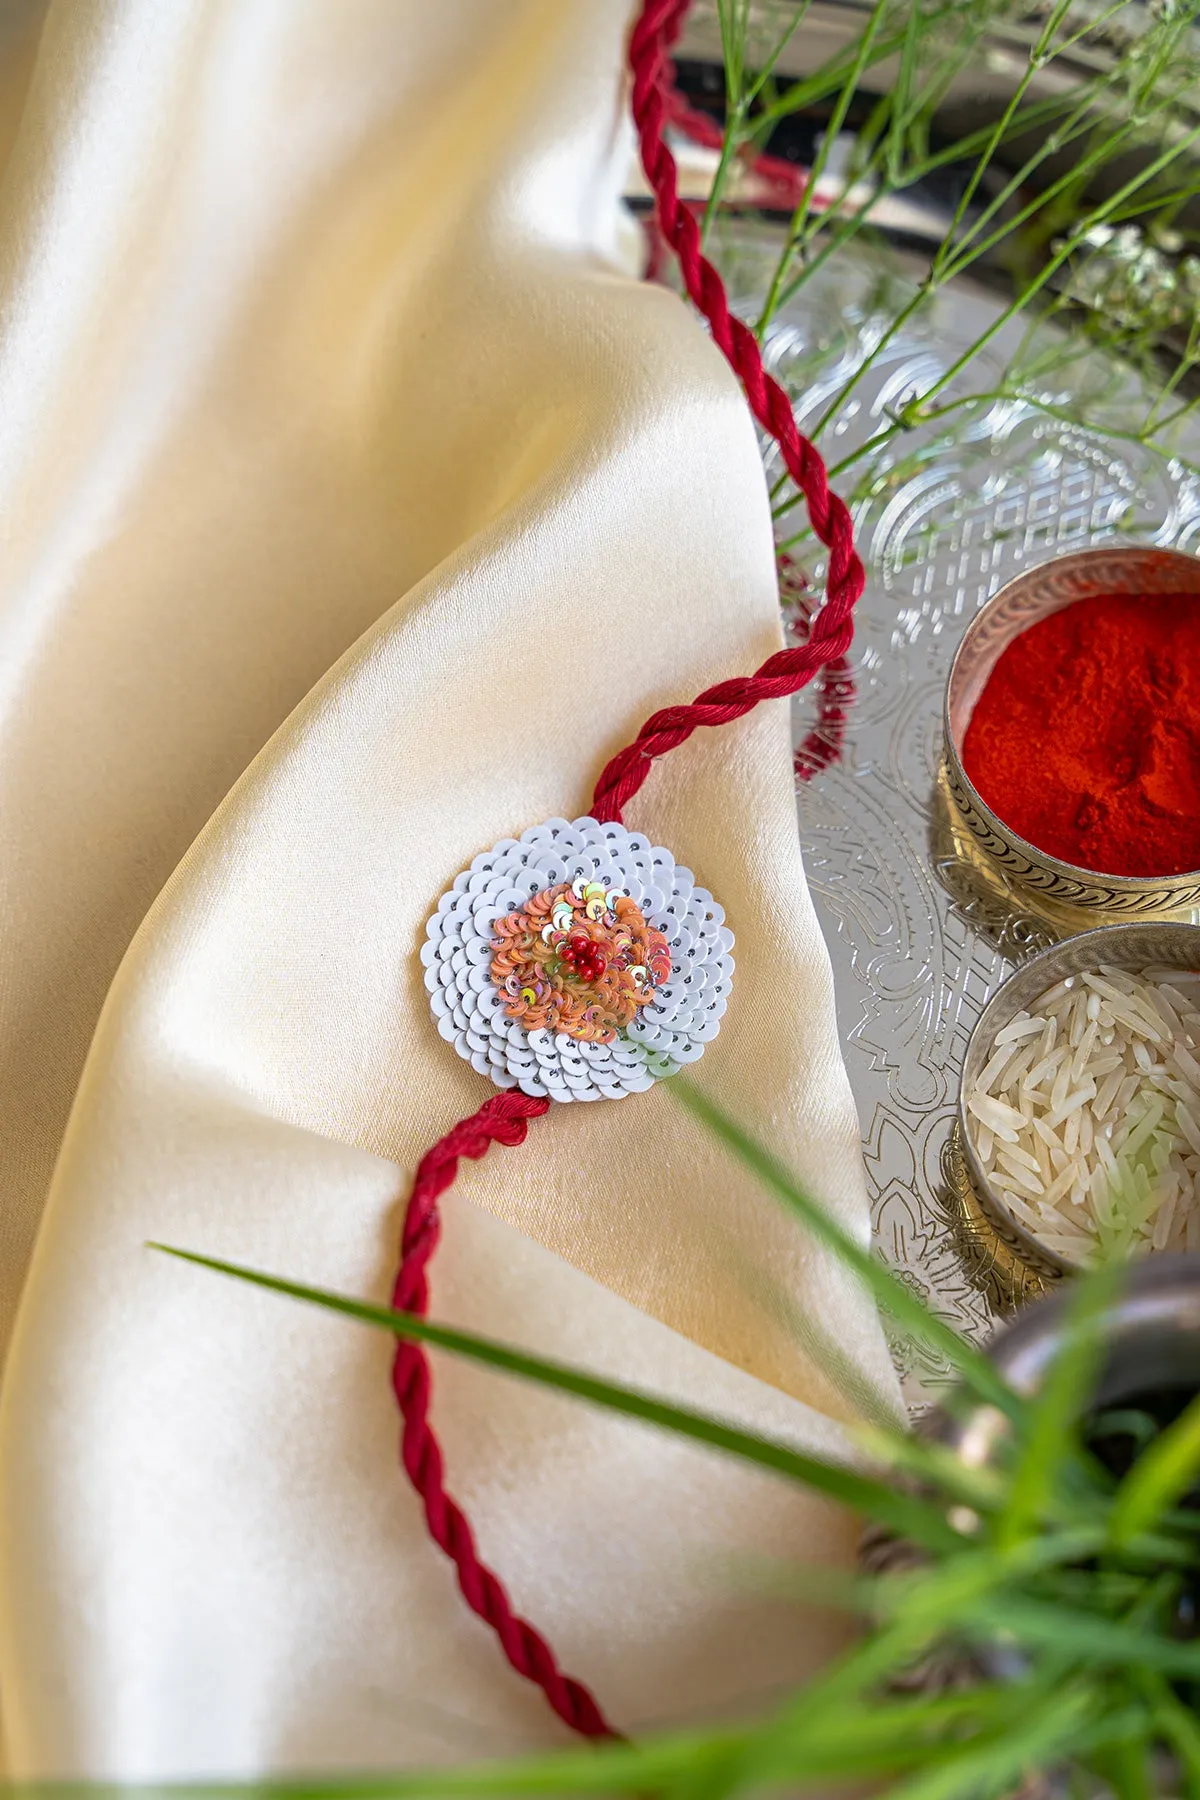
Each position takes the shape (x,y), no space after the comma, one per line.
(975,1171)
(1074,872)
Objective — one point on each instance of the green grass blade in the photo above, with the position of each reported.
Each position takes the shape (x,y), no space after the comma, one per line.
(899,1511)
(1004,122)
(1162,1474)
(885,1736)
(1051,1436)
(873,1738)
(918,1611)
(937,1468)
(898,119)
(944,1594)
(1065,1725)
(1127,1766)
(829,78)
(594,1769)
(910,1313)
(1179,1727)
(1086,1637)
(777,49)
(854,74)
(866,1400)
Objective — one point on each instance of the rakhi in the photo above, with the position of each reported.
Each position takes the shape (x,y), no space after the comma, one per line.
(581,962)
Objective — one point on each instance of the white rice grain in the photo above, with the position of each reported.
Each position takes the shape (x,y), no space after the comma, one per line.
(1086,1113)
(1020,1027)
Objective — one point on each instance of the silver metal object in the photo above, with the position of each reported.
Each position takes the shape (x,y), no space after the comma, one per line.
(1152,1350)
(921,928)
(1127,947)
(1152,1344)
(1022,602)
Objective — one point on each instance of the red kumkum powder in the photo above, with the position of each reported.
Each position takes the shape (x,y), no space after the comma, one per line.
(1086,739)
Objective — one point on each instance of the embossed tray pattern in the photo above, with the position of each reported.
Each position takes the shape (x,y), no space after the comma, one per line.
(920,928)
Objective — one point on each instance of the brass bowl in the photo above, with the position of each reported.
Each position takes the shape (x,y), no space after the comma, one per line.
(1032,596)
(1134,947)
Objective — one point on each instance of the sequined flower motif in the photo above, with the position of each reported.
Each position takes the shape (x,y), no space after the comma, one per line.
(581,962)
(579,959)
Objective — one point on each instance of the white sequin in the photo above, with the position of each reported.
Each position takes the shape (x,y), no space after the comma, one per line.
(684,1015)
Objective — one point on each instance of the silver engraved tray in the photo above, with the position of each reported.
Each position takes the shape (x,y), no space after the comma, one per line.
(921,931)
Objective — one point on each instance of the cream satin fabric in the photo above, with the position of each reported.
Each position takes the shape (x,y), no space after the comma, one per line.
(357,505)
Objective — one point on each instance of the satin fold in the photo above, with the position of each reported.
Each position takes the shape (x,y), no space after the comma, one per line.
(360,503)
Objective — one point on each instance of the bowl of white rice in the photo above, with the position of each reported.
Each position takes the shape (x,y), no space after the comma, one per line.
(1080,1101)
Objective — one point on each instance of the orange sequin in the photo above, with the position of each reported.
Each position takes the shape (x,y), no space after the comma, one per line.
(543,993)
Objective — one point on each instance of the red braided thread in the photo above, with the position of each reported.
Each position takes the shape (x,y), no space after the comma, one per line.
(501,1120)
(504,1118)
(657,28)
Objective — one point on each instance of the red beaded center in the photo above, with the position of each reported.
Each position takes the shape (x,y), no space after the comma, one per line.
(578,959)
